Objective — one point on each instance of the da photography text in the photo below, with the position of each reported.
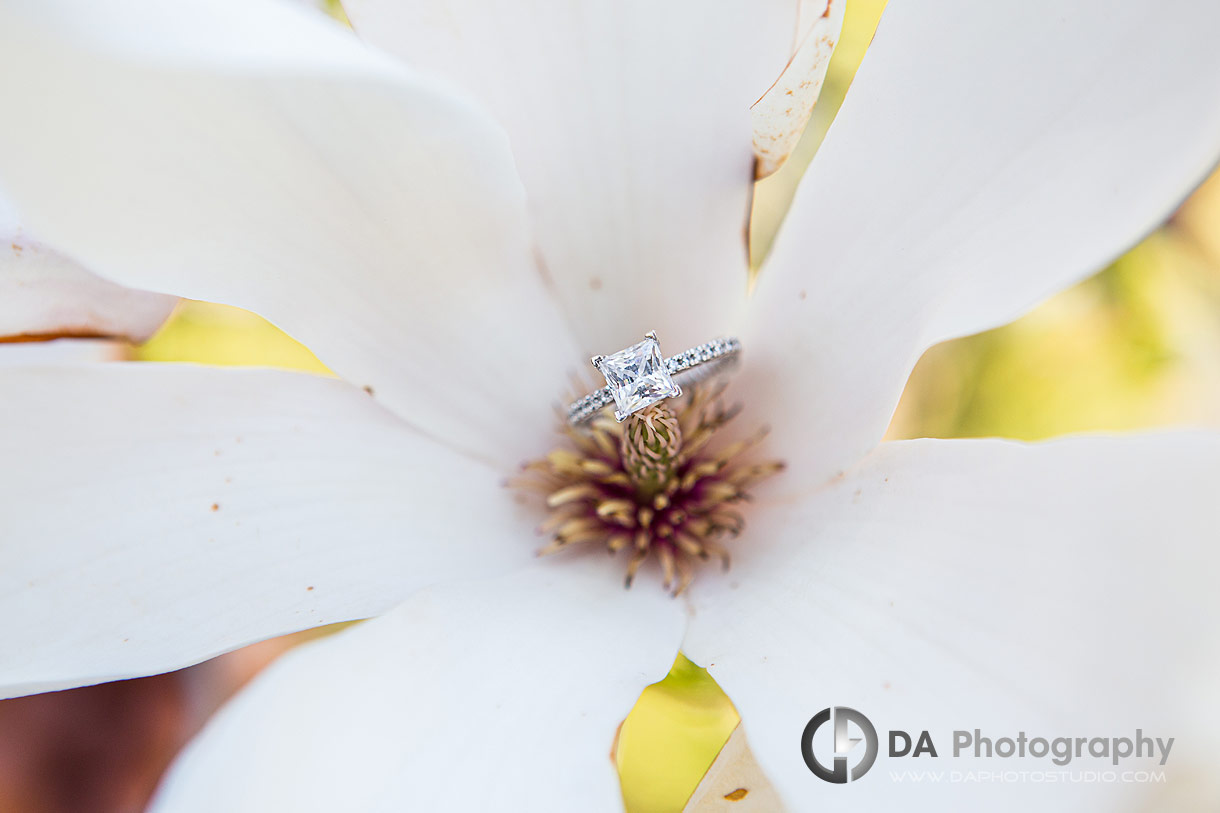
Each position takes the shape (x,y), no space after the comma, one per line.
(850,743)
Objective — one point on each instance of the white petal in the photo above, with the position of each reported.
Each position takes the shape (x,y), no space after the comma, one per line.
(156,515)
(62,351)
(783,111)
(256,154)
(502,694)
(45,294)
(1064,589)
(630,121)
(987,155)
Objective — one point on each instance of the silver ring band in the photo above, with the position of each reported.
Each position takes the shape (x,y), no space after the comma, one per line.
(697,363)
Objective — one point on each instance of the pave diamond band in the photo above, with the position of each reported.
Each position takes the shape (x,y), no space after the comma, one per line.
(638,376)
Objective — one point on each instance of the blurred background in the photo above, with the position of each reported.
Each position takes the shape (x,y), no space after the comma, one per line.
(1135,346)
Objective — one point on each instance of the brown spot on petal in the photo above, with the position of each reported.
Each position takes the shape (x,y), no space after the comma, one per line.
(780,114)
(736,795)
(69,333)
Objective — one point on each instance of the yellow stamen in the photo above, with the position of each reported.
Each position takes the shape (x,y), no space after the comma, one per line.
(650,485)
(579,491)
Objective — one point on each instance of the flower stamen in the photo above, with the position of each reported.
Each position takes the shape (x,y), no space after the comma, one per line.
(655,484)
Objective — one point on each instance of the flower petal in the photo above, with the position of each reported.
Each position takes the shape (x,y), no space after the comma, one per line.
(783,111)
(1063,589)
(156,515)
(256,154)
(631,126)
(987,155)
(62,351)
(44,295)
(491,695)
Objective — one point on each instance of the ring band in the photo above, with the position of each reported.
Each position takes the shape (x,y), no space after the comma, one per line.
(638,376)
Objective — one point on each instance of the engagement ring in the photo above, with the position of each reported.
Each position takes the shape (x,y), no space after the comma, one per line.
(639,376)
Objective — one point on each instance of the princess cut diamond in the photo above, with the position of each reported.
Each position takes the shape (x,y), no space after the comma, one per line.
(637,377)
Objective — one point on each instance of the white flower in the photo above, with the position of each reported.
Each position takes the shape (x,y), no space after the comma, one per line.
(245,152)
(44,295)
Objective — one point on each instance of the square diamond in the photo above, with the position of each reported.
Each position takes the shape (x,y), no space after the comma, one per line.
(637,377)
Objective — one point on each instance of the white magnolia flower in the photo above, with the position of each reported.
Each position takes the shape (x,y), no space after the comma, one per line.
(245,152)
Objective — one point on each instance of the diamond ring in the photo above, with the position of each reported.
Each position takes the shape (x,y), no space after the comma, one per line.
(639,376)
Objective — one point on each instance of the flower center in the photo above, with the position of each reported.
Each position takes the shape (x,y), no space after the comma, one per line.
(663,483)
